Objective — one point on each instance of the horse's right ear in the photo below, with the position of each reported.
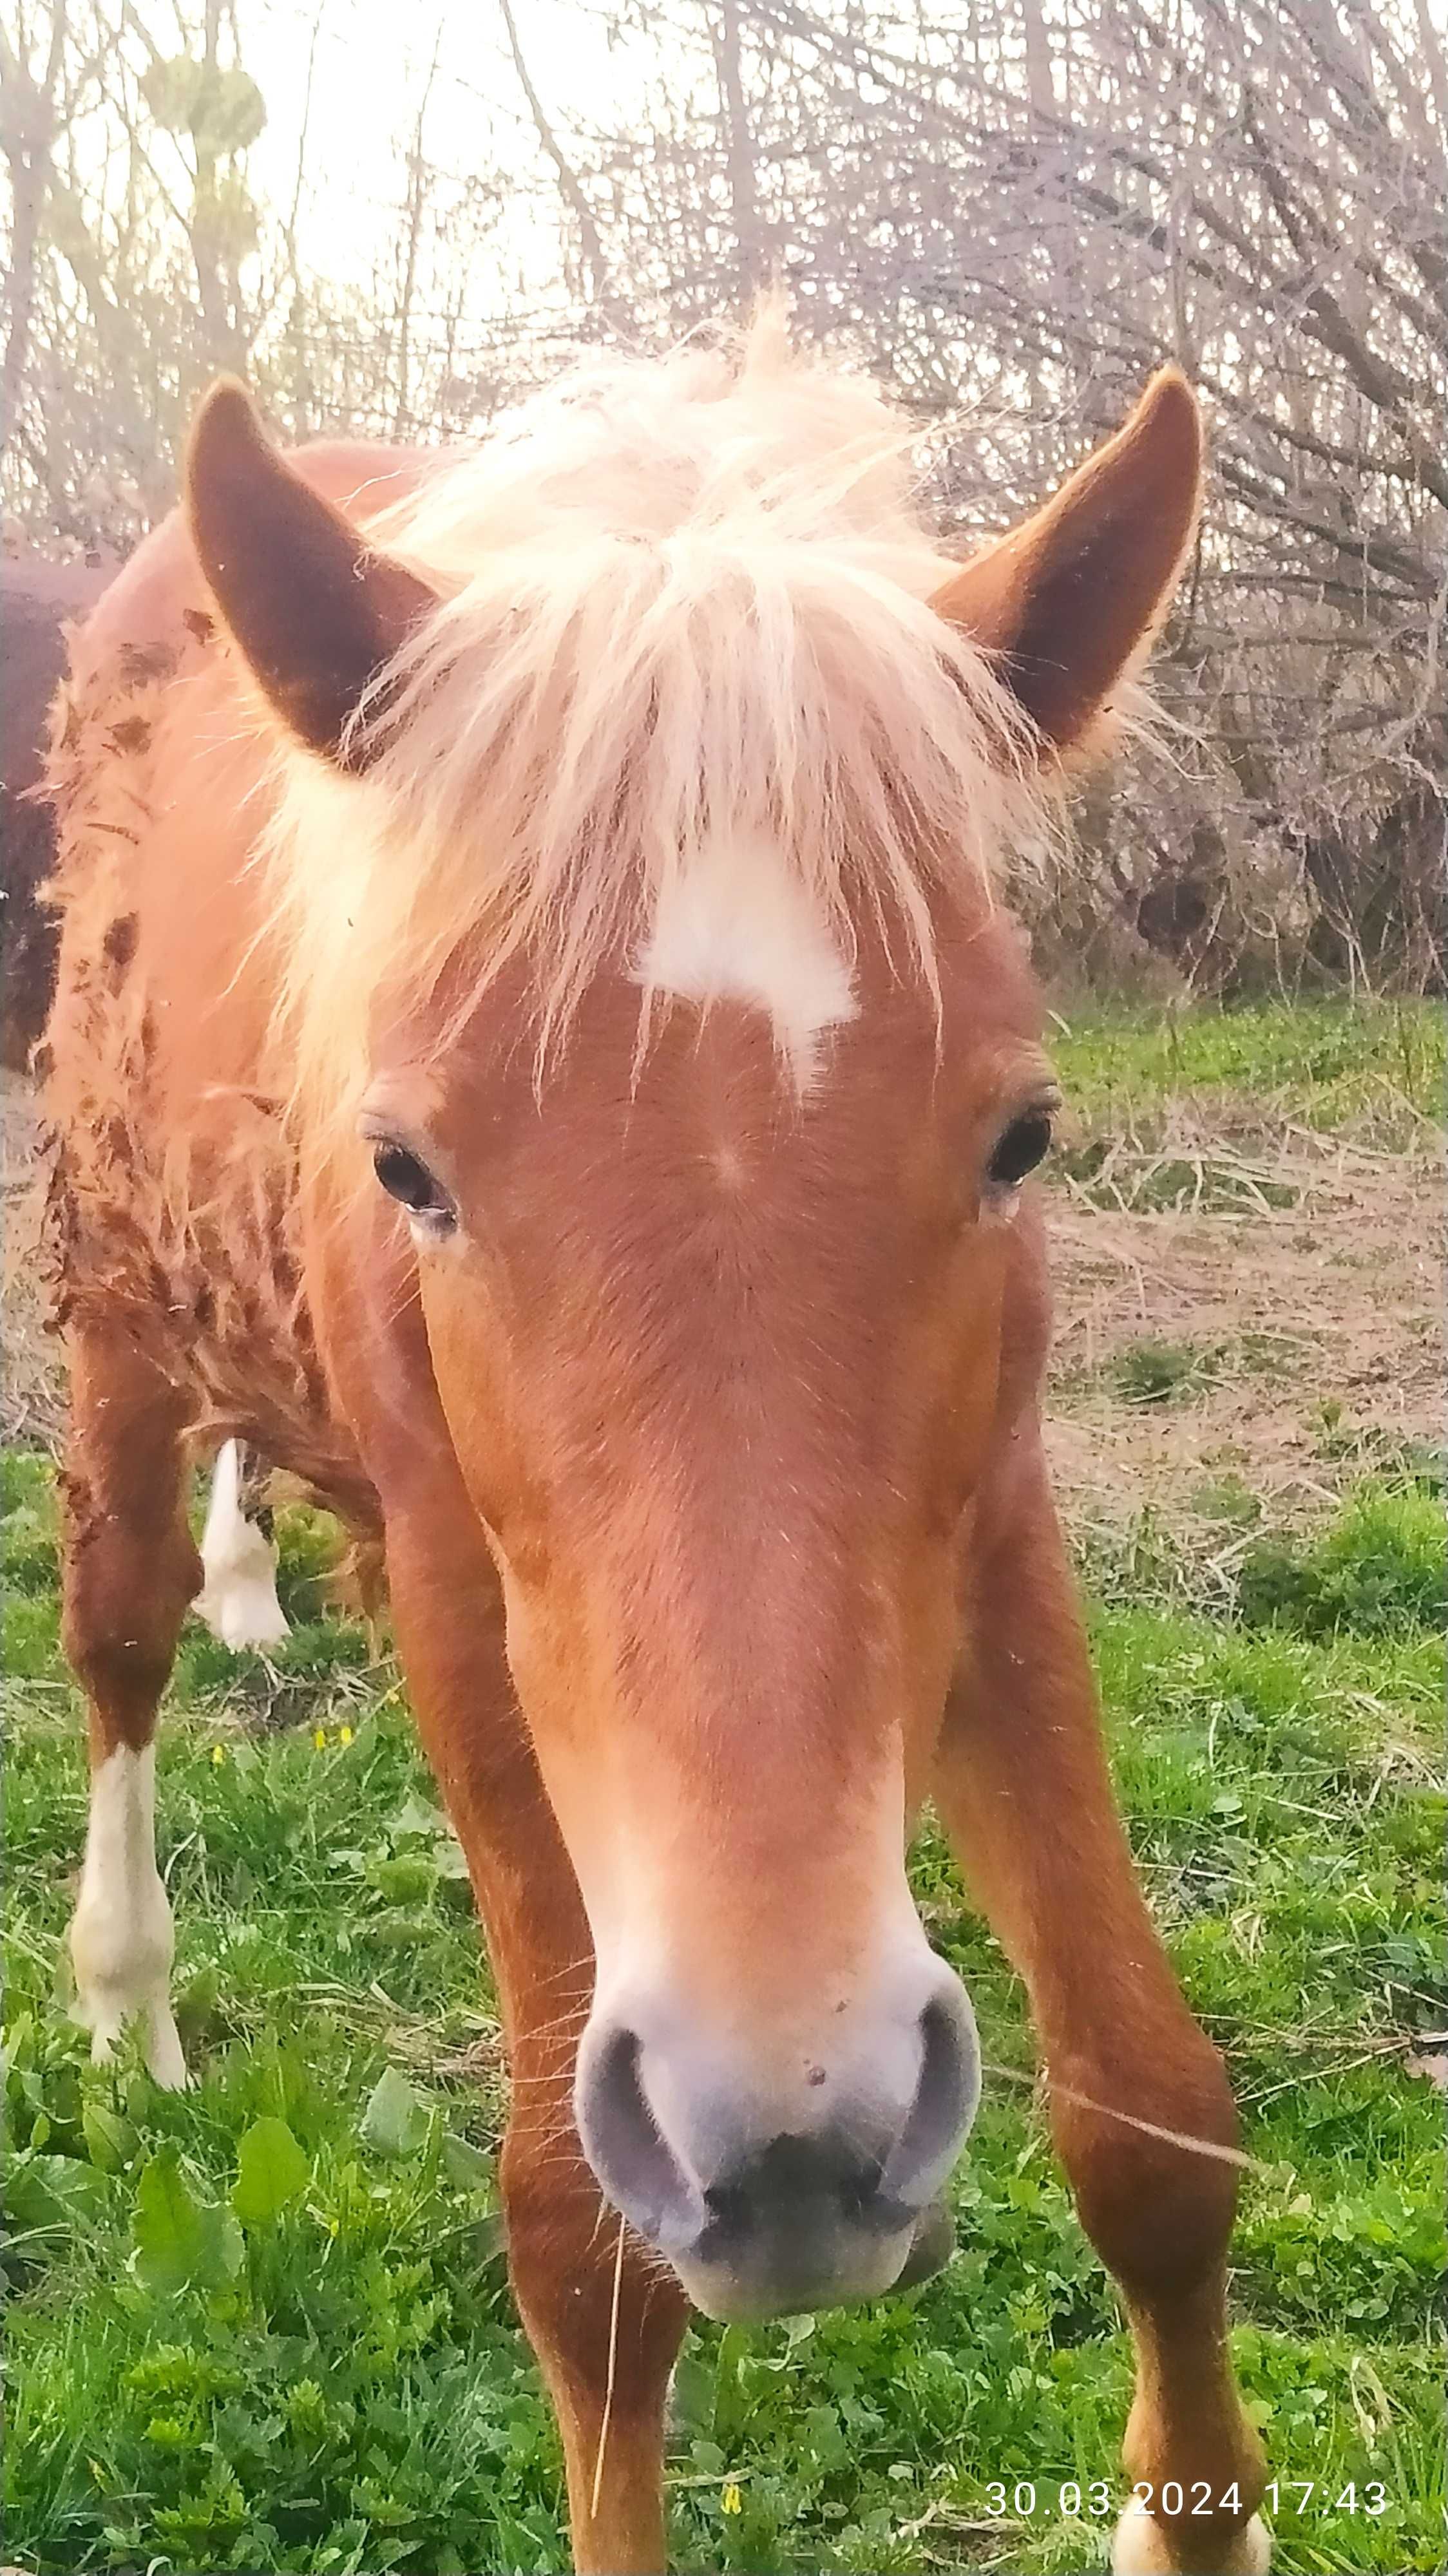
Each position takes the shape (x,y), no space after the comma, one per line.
(1069,602)
(316,614)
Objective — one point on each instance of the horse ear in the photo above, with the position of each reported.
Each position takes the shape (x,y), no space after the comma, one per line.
(1071,599)
(315,612)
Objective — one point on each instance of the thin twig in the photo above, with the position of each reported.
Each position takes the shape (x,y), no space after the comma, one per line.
(1151,2128)
(608,2384)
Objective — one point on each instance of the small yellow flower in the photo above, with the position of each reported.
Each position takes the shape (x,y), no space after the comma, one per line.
(319,1738)
(344,1735)
(732,2500)
(218,1754)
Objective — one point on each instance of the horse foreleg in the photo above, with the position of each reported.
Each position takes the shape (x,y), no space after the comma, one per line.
(1140,2108)
(603,2314)
(129,1571)
(238,1600)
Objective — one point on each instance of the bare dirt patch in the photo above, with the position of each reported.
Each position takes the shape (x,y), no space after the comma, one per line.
(30,1400)
(1270,1339)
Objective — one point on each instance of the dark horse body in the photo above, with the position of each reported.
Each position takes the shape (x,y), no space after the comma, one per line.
(37,599)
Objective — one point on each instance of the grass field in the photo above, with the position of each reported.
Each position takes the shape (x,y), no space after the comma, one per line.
(265,2326)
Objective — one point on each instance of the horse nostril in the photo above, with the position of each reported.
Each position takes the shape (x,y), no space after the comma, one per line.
(789,2181)
(944,2105)
(625,2146)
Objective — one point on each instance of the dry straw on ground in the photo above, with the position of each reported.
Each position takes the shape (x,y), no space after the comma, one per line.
(1296,1283)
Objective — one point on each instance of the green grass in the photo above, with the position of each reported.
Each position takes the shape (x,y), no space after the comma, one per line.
(1374,1564)
(318,2368)
(1327,1066)
(1153,1372)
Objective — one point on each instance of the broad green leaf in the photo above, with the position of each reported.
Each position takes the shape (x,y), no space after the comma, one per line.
(691,2398)
(405,1878)
(180,2241)
(417,1816)
(489,2238)
(110,2140)
(465,2165)
(20,2037)
(823,2438)
(51,2191)
(272,2171)
(395,2121)
(196,2004)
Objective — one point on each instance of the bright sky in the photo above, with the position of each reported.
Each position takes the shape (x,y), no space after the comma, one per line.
(371,68)
(371,71)
(372,59)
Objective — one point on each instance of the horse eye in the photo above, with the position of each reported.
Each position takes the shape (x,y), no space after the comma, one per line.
(1020,1149)
(410,1182)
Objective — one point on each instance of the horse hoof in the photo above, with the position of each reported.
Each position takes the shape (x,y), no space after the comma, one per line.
(1143,2547)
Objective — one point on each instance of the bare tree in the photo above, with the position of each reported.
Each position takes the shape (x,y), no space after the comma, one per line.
(1013,214)
(1009,213)
(27,134)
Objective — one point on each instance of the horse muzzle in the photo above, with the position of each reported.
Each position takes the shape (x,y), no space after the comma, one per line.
(817,2186)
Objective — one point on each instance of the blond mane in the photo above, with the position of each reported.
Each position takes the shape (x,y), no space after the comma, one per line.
(684,605)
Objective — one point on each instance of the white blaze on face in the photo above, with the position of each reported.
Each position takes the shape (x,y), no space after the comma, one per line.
(122,1939)
(736,925)
(238,1600)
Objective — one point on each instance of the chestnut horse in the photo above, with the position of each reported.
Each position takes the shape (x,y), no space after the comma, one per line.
(538,1055)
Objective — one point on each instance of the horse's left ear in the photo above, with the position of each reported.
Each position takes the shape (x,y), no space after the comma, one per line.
(316,613)
(1071,599)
